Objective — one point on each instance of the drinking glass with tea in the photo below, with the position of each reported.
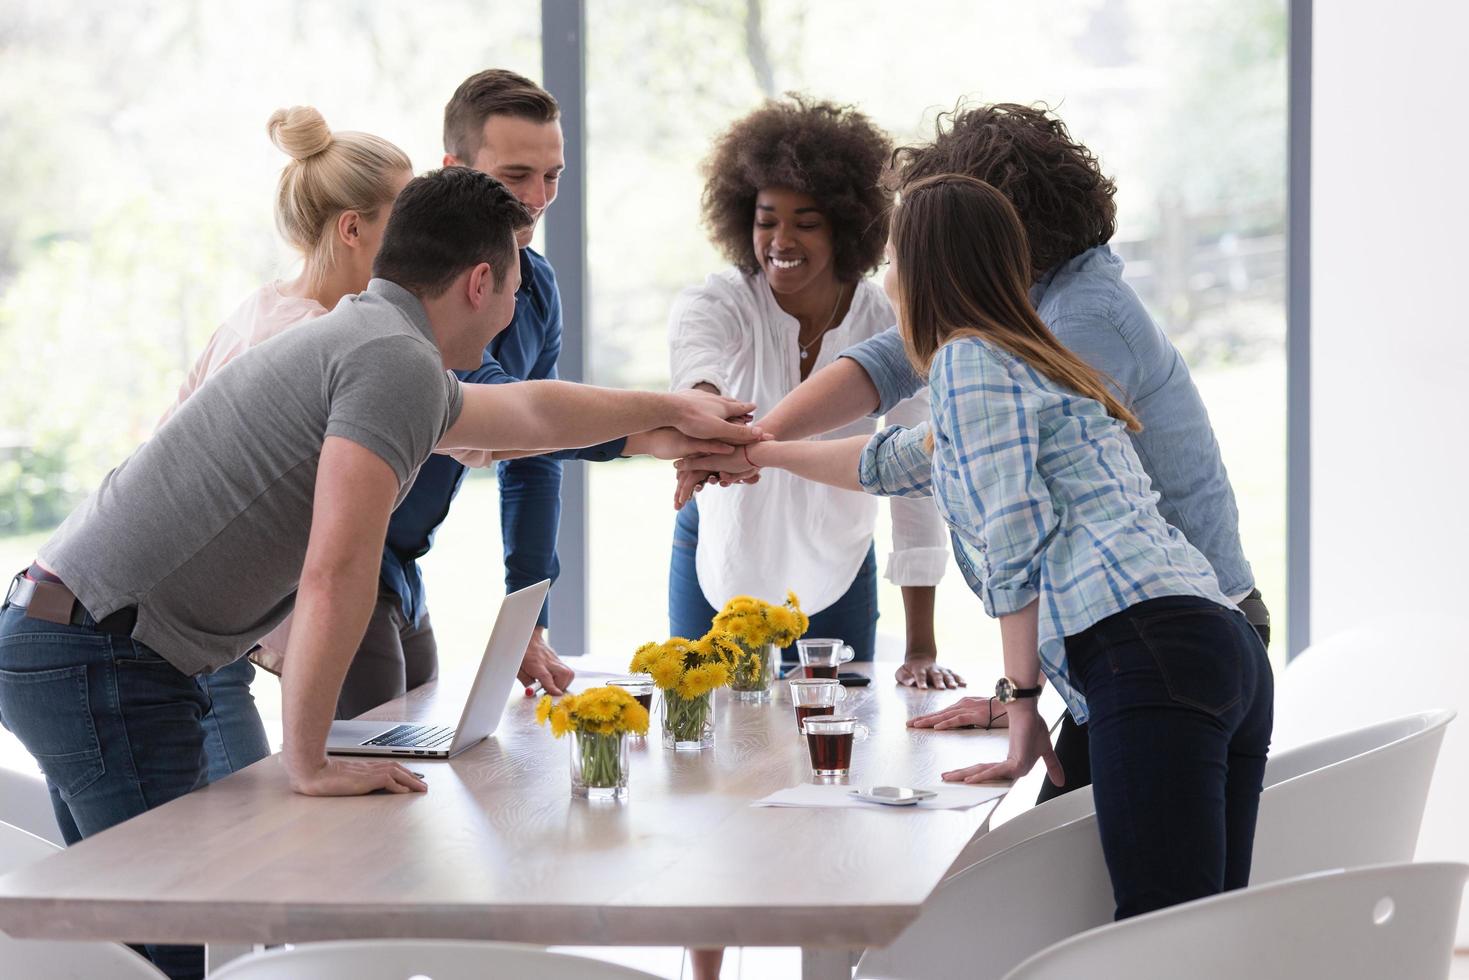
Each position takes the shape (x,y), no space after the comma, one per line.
(815,696)
(823,657)
(829,739)
(640,686)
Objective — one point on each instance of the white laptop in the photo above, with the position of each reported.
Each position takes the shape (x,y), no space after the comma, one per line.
(487,698)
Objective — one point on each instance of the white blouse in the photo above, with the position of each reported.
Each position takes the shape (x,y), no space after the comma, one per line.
(785,532)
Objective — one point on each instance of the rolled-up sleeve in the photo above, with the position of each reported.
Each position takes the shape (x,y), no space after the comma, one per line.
(704,332)
(986,433)
(895,463)
(886,363)
(920,541)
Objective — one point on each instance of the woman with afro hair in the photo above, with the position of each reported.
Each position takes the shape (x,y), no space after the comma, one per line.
(793,199)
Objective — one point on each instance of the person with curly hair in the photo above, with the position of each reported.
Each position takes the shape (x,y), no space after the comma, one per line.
(794,200)
(1065,204)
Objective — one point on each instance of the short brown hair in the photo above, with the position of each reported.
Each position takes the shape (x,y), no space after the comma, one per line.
(1056,184)
(492,92)
(832,152)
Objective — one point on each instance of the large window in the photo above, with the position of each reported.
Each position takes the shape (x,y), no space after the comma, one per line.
(138,183)
(1185,105)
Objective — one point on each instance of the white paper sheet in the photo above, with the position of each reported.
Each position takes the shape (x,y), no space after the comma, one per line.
(951,796)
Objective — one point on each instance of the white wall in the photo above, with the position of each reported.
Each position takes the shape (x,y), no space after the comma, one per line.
(1390,351)
(1390,309)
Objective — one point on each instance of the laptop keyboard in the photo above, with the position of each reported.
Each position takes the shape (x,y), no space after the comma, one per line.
(413,737)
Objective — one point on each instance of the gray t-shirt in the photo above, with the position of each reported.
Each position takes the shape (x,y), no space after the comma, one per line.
(204,527)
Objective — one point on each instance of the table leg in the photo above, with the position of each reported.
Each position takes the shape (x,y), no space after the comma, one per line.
(827,964)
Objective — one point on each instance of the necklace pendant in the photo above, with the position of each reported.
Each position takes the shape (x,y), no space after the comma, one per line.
(804,355)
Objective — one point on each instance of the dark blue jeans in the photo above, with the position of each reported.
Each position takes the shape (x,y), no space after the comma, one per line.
(1180,696)
(852,618)
(116,729)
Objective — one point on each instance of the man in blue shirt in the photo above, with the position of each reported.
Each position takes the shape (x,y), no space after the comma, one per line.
(507,126)
(1066,204)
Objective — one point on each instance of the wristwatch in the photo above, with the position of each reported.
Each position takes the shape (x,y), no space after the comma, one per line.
(1006,691)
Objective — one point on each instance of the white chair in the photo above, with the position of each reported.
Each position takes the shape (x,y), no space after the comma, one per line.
(26,803)
(1321,809)
(44,959)
(1389,921)
(402,959)
(1382,669)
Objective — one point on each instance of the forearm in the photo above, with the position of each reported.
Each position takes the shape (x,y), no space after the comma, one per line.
(918,606)
(1019,639)
(548,415)
(835,396)
(332,610)
(832,462)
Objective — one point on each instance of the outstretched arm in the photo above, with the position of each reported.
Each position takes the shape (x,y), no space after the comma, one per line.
(542,415)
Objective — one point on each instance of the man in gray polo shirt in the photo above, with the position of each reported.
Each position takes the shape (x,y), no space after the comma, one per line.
(269,490)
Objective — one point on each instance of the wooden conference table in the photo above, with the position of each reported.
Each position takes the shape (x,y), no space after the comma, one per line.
(498,849)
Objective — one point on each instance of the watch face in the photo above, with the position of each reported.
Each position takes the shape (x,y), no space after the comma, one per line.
(1004,690)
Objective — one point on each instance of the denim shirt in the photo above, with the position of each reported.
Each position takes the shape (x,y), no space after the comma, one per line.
(1046,499)
(530,487)
(1091,310)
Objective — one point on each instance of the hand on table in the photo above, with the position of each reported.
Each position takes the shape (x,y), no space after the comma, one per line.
(542,664)
(355,777)
(923,670)
(964,713)
(1029,740)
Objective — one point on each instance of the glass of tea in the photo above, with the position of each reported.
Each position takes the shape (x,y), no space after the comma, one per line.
(829,739)
(815,696)
(640,686)
(823,658)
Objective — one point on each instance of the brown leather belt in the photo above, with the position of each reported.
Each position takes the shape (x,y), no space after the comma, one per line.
(45,597)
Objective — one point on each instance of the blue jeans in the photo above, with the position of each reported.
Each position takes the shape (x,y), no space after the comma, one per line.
(116,729)
(234,736)
(852,618)
(1181,696)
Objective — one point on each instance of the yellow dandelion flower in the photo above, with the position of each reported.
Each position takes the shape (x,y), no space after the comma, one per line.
(543,709)
(560,720)
(667,671)
(635,719)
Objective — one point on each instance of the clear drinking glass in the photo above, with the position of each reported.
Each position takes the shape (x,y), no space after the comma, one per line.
(815,696)
(599,766)
(823,657)
(829,739)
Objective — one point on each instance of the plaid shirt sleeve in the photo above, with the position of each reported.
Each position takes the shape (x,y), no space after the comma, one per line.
(896,462)
(987,433)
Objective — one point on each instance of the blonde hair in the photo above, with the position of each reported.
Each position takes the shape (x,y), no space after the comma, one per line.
(329,173)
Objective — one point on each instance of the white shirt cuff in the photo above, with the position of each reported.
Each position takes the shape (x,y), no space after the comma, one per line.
(917,566)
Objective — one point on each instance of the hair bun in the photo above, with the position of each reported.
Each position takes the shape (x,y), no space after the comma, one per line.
(299,131)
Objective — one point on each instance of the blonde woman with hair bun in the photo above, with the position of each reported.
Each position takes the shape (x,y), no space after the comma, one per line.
(331,205)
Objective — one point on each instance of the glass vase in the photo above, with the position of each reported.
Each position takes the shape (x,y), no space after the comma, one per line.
(688,723)
(599,766)
(754,676)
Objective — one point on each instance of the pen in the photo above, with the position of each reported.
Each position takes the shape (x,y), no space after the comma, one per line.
(534,689)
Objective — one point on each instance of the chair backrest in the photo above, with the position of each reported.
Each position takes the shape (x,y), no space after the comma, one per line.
(1384,668)
(26,803)
(37,959)
(1348,801)
(1323,816)
(402,959)
(1056,885)
(1388,921)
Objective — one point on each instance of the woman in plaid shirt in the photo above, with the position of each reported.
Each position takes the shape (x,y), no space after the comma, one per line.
(1057,531)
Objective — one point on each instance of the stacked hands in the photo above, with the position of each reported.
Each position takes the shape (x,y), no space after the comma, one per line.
(740,461)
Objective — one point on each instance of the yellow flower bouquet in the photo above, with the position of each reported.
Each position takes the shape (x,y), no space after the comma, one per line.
(688,672)
(761,629)
(600,721)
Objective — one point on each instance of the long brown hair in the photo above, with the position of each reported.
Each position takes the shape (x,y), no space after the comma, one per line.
(963,269)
